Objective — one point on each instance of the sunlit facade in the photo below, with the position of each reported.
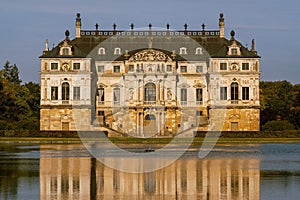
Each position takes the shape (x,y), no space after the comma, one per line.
(150,82)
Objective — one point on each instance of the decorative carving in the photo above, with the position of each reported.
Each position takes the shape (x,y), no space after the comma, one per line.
(234,67)
(169,94)
(65,67)
(150,55)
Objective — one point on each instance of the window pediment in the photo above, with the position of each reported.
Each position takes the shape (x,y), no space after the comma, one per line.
(102,85)
(199,85)
(184,85)
(116,85)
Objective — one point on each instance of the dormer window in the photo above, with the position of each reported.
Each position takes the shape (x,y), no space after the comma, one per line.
(234,49)
(199,51)
(117,51)
(182,51)
(65,51)
(101,51)
(234,52)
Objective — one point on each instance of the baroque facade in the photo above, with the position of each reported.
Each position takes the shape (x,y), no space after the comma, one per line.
(150,82)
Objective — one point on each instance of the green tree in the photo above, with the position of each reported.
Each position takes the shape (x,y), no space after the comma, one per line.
(11,73)
(19,104)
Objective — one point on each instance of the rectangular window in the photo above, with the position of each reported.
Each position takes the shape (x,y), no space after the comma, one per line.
(223,93)
(54,93)
(199,69)
(100,112)
(131,68)
(101,69)
(234,51)
(183,96)
(65,51)
(183,69)
(76,66)
(101,95)
(199,94)
(117,96)
(54,66)
(117,69)
(169,68)
(199,113)
(76,93)
(245,92)
(223,66)
(245,66)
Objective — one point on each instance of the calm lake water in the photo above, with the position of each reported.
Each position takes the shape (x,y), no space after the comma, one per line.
(68,171)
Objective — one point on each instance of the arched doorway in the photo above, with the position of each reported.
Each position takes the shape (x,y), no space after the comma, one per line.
(150,125)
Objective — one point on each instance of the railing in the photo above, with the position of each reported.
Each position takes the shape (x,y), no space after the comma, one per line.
(234,101)
(183,103)
(65,101)
(147,33)
(116,102)
(199,102)
(150,102)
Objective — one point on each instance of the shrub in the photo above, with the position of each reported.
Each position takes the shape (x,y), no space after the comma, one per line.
(278,126)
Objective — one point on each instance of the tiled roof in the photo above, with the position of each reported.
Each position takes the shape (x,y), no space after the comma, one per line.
(87,46)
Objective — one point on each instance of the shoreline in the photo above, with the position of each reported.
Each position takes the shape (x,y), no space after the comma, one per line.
(196,141)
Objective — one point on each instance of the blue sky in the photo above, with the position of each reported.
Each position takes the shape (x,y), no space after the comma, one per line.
(274,24)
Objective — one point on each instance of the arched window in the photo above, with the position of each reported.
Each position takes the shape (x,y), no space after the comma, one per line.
(65,93)
(199,51)
(101,51)
(150,93)
(150,117)
(234,93)
(117,51)
(182,51)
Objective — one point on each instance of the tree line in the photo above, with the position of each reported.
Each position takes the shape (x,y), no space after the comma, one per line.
(19,103)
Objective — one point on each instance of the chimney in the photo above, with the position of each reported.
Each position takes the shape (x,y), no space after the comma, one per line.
(221,25)
(78,25)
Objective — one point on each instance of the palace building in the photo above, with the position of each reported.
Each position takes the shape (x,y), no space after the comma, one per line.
(150,82)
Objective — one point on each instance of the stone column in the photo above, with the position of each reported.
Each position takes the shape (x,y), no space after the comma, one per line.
(158,92)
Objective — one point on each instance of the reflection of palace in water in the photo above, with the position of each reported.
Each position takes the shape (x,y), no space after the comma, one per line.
(191,178)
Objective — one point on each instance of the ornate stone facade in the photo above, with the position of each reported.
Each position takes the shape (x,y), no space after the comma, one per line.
(150,83)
